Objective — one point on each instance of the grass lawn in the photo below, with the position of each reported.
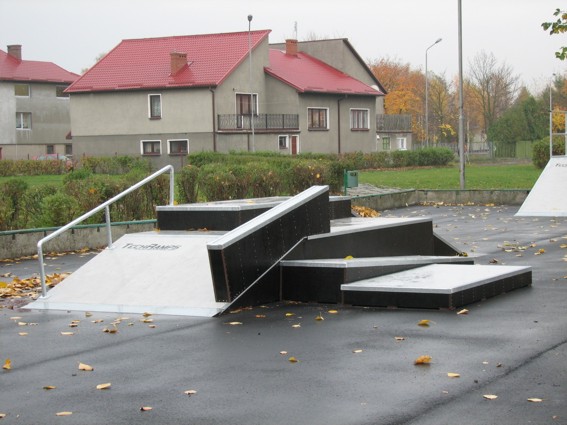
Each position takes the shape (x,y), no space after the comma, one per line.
(54,179)
(481,177)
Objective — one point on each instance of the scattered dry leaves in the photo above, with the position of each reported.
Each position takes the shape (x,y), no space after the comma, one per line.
(293,360)
(463,311)
(490,396)
(7,365)
(85,367)
(425,323)
(453,375)
(423,360)
(190,392)
(535,400)
(63,413)
(105,386)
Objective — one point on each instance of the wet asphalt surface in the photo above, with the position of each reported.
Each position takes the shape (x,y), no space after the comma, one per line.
(354,367)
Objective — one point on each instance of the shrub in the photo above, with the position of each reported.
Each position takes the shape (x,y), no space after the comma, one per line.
(540,156)
(265,181)
(13,189)
(31,204)
(115,164)
(187,184)
(6,213)
(58,209)
(307,173)
(79,174)
(434,156)
(217,182)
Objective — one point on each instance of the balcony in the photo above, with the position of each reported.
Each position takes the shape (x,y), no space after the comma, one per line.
(393,123)
(262,122)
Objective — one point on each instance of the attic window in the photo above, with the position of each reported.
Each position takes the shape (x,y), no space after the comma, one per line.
(22,90)
(154,106)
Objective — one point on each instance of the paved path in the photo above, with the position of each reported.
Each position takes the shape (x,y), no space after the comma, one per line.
(513,346)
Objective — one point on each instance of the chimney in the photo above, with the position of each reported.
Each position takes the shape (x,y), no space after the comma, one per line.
(178,61)
(291,47)
(15,50)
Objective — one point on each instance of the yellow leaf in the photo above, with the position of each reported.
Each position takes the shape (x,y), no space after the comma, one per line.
(260,316)
(424,323)
(145,408)
(349,257)
(88,314)
(146,314)
(67,333)
(2,415)
(147,320)
(22,333)
(22,324)
(86,367)
(63,413)
(289,314)
(463,311)
(358,350)
(423,360)
(7,364)
(297,325)
(320,317)
(190,392)
(233,323)
(15,318)
(293,360)
(49,387)
(332,311)
(490,396)
(535,400)
(453,375)
(112,330)
(103,386)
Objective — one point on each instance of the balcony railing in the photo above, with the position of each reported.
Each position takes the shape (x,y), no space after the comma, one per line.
(237,122)
(393,122)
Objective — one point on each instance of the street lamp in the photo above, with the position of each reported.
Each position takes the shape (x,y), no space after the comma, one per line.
(551,119)
(427,93)
(250,81)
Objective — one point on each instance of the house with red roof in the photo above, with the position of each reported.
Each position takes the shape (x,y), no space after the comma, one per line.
(165,97)
(34,108)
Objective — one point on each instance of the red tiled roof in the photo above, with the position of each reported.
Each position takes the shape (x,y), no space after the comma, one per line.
(145,63)
(309,75)
(12,69)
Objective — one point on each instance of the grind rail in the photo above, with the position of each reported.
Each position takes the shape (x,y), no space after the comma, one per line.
(106,207)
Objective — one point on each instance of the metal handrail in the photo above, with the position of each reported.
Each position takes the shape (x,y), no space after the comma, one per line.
(105,206)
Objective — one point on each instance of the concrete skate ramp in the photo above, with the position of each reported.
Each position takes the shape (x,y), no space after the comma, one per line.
(154,272)
(548,197)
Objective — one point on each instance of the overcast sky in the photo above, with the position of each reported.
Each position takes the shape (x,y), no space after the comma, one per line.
(72,33)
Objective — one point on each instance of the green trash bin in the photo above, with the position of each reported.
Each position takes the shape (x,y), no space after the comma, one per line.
(350,179)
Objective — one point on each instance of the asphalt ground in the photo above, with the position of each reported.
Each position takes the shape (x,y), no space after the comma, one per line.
(354,367)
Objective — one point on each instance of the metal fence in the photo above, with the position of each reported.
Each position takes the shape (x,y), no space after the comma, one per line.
(261,122)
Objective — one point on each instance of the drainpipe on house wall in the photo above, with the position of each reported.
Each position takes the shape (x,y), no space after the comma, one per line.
(214,119)
(339,122)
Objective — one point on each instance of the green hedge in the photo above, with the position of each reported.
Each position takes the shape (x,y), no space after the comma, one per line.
(540,154)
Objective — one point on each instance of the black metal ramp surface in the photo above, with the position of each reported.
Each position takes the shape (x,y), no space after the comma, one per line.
(437,286)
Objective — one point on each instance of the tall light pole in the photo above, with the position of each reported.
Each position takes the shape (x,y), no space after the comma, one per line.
(427,93)
(551,118)
(250,81)
(461,105)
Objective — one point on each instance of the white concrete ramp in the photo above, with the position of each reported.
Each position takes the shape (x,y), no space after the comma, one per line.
(548,197)
(154,272)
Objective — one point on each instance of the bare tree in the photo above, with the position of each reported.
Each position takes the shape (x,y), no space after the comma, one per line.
(494,87)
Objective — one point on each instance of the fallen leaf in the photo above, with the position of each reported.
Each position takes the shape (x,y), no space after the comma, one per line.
(7,364)
(67,333)
(49,387)
(103,386)
(283,353)
(320,317)
(297,325)
(146,314)
(63,413)
(152,326)
(349,257)
(535,400)
(260,316)
(358,350)
(424,323)
(147,320)
(399,338)
(86,367)
(145,408)
(423,360)
(332,311)
(463,311)
(112,330)
(293,360)
(233,323)
(453,375)
(2,415)
(22,333)
(15,318)
(190,392)
(289,314)
(490,396)
(88,314)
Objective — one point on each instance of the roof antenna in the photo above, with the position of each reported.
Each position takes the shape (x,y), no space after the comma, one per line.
(295,30)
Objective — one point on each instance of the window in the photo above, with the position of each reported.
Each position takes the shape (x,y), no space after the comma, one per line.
(386,146)
(359,119)
(22,90)
(402,143)
(23,120)
(283,142)
(244,102)
(151,147)
(154,103)
(49,149)
(317,118)
(68,149)
(178,147)
(60,91)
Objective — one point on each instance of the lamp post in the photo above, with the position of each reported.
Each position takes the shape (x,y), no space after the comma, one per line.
(551,118)
(250,81)
(461,103)
(427,93)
